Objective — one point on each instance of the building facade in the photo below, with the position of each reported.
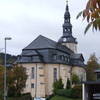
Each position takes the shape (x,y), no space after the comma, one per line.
(46,61)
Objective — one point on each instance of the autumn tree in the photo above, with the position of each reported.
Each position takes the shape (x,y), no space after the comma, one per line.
(16,80)
(92,65)
(1,82)
(92,14)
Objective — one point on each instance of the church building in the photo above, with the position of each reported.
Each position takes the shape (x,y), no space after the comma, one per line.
(46,61)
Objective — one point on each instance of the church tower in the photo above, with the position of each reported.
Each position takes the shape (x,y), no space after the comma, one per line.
(67,39)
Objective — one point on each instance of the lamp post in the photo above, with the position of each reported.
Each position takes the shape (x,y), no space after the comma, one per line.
(5,78)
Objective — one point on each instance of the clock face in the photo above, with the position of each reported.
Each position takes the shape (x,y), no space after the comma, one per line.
(64,39)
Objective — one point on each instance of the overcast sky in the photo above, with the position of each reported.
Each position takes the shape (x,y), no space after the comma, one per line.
(24,20)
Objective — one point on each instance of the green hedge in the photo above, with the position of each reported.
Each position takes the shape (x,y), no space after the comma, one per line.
(74,92)
(26,96)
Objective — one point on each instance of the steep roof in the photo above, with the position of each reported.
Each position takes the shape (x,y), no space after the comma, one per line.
(42,42)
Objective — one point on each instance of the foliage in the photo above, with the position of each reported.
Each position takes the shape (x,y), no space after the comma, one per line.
(62,98)
(68,85)
(26,96)
(49,97)
(1,81)
(16,80)
(75,79)
(10,58)
(57,85)
(75,92)
(92,14)
(64,92)
(92,65)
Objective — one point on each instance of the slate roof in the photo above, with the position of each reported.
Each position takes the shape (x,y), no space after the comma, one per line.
(35,53)
(77,56)
(42,42)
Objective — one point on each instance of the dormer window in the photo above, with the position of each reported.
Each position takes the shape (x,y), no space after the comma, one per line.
(54,56)
(67,59)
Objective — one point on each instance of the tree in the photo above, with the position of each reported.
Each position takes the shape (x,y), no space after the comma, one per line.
(92,14)
(16,80)
(57,85)
(10,58)
(1,81)
(92,65)
(75,79)
(68,85)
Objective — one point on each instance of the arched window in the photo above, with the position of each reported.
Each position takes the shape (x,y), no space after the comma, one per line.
(33,72)
(55,74)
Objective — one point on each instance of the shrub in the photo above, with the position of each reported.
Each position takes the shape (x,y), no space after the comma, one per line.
(49,97)
(26,96)
(64,92)
(75,79)
(68,85)
(57,85)
(77,91)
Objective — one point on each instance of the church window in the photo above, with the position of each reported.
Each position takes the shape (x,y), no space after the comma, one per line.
(33,72)
(55,74)
(68,20)
(65,30)
(69,30)
(32,85)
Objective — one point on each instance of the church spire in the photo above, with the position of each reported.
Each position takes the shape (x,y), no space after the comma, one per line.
(67,39)
(67,5)
(67,28)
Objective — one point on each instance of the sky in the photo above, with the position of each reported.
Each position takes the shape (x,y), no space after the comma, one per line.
(24,20)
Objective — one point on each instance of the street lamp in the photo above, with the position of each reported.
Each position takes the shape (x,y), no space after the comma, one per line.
(5,78)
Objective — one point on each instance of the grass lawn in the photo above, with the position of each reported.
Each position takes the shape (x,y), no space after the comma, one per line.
(62,98)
